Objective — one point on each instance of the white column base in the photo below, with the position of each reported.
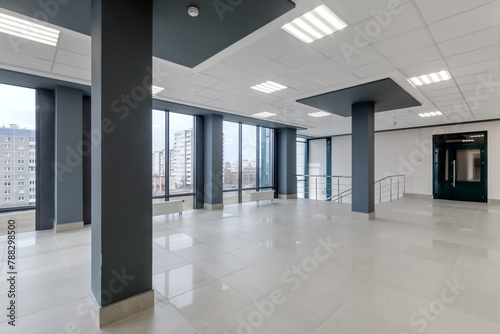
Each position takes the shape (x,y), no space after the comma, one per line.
(125,308)
(363,216)
(213,206)
(294,196)
(69,227)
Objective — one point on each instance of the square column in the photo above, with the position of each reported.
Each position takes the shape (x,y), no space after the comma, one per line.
(213,173)
(121,158)
(287,163)
(363,160)
(69,153)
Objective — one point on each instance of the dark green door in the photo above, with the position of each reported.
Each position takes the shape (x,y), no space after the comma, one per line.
(460,167)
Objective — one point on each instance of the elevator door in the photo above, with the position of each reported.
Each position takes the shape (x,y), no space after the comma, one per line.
(460,169)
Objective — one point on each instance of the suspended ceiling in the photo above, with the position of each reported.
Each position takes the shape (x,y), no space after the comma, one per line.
(424,36)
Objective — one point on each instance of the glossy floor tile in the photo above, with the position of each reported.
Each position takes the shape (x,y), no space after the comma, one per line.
(290,266)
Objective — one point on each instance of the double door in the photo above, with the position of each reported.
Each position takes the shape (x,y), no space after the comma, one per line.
(460,168)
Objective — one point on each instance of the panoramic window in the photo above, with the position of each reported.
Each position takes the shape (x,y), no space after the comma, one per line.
(173,157)
(17,116)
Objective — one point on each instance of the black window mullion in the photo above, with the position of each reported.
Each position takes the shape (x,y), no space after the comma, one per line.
(240,158)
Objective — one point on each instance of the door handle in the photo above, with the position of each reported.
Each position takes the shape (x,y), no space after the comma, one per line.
(453,182)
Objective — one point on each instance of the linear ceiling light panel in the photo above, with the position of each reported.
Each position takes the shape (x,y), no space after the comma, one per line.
(430,78)
(157,89)
(320,114)
(264,114)
(269,87)
(431,114)
(315,24)
(28,30)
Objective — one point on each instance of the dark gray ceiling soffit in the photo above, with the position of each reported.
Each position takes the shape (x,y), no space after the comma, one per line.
(386,94)
(32,81)
(177,37)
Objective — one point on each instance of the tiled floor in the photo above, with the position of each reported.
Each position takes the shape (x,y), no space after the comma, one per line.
(288,267)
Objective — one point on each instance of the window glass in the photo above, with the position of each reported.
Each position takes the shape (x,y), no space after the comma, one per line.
(231,155)
(17,112)
(249,156)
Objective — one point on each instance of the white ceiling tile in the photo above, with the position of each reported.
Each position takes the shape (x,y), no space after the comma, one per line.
(246,59)
(311,87)
(416,57)
(337,79)
(491,77)
(433,10)
(472,57)
(485,66)
(462,24)
(72,72)
(441,92)
(473,41)
(223,71)
(277,44)
(271,70)
(75,42)
(229,87)
(247,79)
(376,68)
(347,48)
(23,61)
(73,59)
(355,11)
(301,58)
(187,87)
(210,93)
(202,79)
(426,68)
(412,40)
(406,20)
(26,47)
(322,69)
(293,79)
(449,97)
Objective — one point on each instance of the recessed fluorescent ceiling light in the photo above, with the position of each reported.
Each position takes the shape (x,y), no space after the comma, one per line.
(25,29)
(264,114)
(431,78)
(320,114)
(269,87)
(157,89)
(431,114)
(315,24)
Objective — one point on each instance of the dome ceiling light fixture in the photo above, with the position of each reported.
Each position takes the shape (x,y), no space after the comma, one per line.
(193,11)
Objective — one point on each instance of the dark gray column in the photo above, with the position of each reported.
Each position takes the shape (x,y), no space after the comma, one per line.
(363,157)
(69,152)
(287,163)
(199,163)
(45,157)
(213,195)
(87,165)
(121,158)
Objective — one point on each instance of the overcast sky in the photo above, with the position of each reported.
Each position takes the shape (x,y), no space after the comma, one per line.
(17,106)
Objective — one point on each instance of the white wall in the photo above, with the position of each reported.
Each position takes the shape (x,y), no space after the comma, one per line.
(317,166)
(409,152)
(317,157)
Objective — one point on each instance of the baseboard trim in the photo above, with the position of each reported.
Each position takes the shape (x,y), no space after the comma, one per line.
(125,308)
(418,196)
(363,216)
(214,206)
(293,196)
(69,227)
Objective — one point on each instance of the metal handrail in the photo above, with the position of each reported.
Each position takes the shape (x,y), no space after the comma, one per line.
(385,194)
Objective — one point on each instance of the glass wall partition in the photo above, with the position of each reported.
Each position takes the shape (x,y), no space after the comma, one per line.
(173,170)
(17,157)
(248,162)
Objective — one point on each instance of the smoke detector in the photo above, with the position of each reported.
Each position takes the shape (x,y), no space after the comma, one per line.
(193,11)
